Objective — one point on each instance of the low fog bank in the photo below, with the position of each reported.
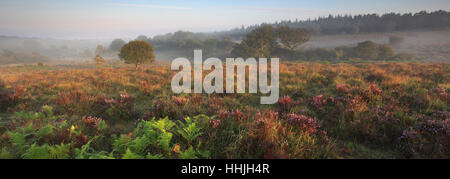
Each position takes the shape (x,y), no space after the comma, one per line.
(422,35)
(426,45)
(23,50)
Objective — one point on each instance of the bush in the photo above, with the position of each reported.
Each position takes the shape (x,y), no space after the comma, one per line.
(404,57)
(385,52)
(396,40)
(320,54)
(367,50)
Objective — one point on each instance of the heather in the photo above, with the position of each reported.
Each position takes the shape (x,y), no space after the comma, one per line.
(341,110)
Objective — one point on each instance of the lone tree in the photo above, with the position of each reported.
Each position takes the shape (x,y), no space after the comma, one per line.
(291,37)
(117,44)
(137,52)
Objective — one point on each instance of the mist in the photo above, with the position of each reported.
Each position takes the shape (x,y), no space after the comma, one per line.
(427,45)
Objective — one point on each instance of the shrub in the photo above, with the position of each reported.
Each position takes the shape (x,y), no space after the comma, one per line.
(122,108)
(404,57)
(321,54)
(367,50)
(396,40)
(385,52)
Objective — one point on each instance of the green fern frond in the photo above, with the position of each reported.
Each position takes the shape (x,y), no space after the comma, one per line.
(37,152)
(189,130)
(131,155)
(163,124)
(164,140)
(60,151)
(188,154)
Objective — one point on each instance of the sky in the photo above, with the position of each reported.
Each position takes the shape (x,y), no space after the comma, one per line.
(105,19)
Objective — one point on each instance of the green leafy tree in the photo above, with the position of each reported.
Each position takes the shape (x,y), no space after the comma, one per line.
(292,37)
(210,45)
(117,44)
(190,43)
(226,44)
(137,52)
(260,42)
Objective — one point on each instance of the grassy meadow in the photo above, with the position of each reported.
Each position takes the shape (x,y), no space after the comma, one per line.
(342,110)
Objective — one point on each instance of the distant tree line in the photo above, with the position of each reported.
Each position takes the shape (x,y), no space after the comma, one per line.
(348,24)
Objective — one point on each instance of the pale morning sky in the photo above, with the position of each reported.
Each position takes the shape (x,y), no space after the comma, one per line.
(101,19)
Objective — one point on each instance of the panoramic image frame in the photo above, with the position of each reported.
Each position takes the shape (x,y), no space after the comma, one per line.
(235,80)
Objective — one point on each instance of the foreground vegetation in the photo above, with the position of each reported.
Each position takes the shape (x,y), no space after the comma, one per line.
(377,110)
